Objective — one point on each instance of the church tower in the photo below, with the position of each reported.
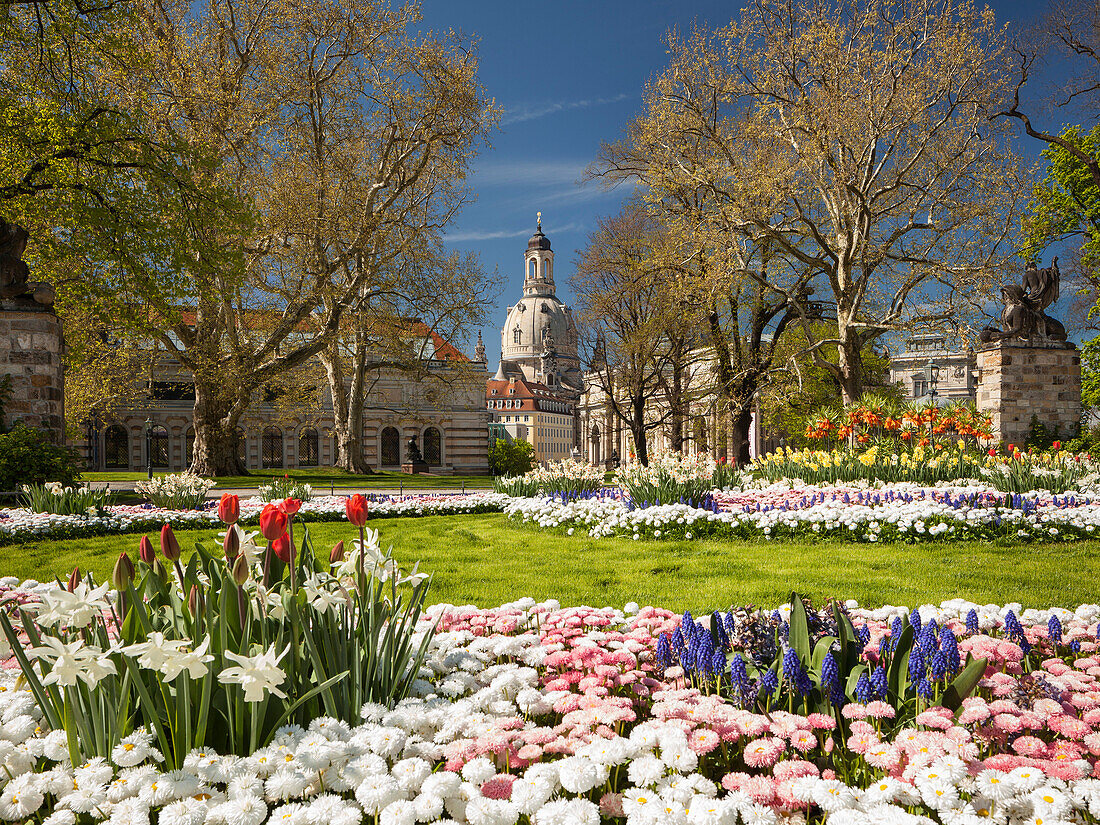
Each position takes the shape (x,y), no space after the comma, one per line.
(538,265)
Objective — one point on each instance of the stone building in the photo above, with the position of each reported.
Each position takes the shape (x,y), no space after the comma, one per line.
(534,393)
(956,369)
(446,416)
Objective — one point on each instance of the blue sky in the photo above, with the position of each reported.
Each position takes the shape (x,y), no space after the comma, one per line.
(568,75)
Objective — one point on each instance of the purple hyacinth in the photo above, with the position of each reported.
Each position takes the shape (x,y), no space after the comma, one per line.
(939,665)
(896,629)
(864,634)
(927,640)
(717,663)
(739,677)
(769,681)
(1012,625)
(792,671)
(830,673)
(924,688)
(663,654)
(914,620)
(1075,646)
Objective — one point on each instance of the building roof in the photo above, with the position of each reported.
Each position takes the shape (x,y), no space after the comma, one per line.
(528,392)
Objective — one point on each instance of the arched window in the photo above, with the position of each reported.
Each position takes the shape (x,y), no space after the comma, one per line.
(308,448)
(532,268)
(158,446)
(546,269)
(271,448)
(433,447)
(391,447)
(242,447)
(517,334)
(189,446)
(116,448)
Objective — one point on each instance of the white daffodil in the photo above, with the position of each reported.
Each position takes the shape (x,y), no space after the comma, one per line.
(155,651)
(71,662)
(73,610)
(322,597)
(192,661)
(258,674)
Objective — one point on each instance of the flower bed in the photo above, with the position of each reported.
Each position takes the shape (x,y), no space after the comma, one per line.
(20,524)
(906,512)
(534,713)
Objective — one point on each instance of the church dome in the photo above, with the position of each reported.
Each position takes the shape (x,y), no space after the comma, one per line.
(538,241)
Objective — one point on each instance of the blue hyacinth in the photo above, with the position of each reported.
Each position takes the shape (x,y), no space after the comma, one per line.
(914,620)
(718,663)
(739,677)
(927,641)
(864,634)
(924,688)
(830,673)
(1012,625)
(864,692)
(916,665)
(878,682)
(663,654)
(1075,646)
(719,630)
(1025,646)
(896,629)
(1054,627)
(949,646)
(769,681)
(939,665)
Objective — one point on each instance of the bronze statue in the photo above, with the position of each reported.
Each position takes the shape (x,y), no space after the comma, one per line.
(1024,314)
(14,271)
(412,452)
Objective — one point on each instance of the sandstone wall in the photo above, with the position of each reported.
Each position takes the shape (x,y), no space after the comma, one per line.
(1018,381)
(30,352)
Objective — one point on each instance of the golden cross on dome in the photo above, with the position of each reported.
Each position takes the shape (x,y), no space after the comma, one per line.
(539,221)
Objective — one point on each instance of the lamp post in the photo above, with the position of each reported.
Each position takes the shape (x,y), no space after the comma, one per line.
(932,374)
(149,447)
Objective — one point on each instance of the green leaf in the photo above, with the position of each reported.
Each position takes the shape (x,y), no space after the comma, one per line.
(963,684)
(897,677)
(853,679)
(799,635)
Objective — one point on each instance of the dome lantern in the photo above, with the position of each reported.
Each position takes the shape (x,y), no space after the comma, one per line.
(538,264)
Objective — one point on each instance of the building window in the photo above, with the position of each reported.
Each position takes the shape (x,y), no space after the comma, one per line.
(116,448)
(271,448)
(920,387)
(308,448)
(516,335)
(433,447)
(158,446)
(532,268)
(391,447)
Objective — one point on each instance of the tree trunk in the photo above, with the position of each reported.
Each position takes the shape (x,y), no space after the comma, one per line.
(637,429)
(676,406)
(347,409)
(741,418)
(850,361)
(215,420)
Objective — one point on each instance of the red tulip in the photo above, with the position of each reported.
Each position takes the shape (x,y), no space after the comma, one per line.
(168,544)
(272,522)
(146,551)
(1057,445)
(229,508)
(290,506)
(356,507)
(74,577)
(281,546)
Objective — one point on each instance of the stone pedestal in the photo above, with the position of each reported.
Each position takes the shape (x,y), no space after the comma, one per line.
(415,467)
(1023,377)
(30,352)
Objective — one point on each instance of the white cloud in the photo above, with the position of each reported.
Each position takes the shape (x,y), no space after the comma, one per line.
(524,112)
(462,237)
(527,173)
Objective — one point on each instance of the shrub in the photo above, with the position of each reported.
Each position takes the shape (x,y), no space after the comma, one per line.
(28,456)
(283,488)
(183,491)
(54,497)
(511,458)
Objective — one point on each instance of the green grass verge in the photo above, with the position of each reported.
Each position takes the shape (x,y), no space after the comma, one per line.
(321,478)
(486,560)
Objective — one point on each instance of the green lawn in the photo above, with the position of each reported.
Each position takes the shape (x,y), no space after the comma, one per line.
(320,478)
(485,560)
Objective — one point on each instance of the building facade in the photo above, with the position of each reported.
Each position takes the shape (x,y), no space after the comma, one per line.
(955,370)
(444,412)
(534,393)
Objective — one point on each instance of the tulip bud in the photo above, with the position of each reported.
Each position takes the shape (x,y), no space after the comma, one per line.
(195,602)
(146,551)
(74,579)
(123,574)
(168,544)
(232,544)
(281,548)
(240,571)
(337,554)
(229,508)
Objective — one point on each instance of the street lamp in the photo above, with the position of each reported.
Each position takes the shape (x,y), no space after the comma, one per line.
(149,446)
(932,374)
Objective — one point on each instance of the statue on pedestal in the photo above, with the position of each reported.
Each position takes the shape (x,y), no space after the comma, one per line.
(14,271)
(1024,315)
